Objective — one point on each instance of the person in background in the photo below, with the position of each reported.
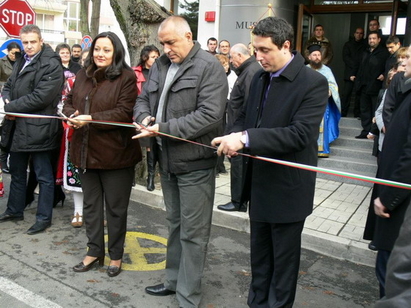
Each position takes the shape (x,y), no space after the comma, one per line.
(393,45)
(148,56)
(329,125)
(6,67)
(212,45)
(319,38)
(352,55)
(63,50)
(246,66)
(224,48)
(105,90)
(187,171)
(40,67)
(76,53)
(284,126)
(67,172)
(369,80)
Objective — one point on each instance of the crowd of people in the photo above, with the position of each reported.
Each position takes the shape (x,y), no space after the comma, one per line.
(251,99)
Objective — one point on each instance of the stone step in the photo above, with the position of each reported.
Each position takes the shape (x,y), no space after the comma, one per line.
(349,131)
(351,143)
(357,153)
(350,165)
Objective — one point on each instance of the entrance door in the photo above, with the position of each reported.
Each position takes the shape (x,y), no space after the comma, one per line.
(304,24)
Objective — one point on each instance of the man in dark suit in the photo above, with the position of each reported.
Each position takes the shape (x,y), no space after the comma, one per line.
(389,203)
(281,120)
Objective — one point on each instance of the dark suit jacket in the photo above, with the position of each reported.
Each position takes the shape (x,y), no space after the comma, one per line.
(288,130)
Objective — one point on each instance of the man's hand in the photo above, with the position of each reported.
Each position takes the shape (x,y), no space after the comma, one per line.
(228,144)
(381,77)
(145,130)
(380,209)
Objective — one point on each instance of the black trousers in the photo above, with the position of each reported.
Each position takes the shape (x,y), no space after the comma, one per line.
(346,99)
(275,262)
(110,189)
(368,105)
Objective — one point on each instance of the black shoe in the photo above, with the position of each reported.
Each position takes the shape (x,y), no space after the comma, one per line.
(150,182)
(371,246)
(232,207)
(159,290)
(38,227)
(81,267)
(113,271)
(58,196)
(5,170)
(361,136)
(151,170)
(8,217)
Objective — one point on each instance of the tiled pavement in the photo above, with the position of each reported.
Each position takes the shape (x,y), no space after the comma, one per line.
(334,228)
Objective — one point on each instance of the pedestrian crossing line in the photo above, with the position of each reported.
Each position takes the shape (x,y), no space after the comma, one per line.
(27,297)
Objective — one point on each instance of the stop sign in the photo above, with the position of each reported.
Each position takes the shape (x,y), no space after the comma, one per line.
(14,14)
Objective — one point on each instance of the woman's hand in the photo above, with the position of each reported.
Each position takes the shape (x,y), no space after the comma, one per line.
(77,121)
(145,129)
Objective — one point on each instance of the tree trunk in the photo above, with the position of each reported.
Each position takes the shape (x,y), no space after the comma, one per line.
(84,28)
(95,18)
(139,21)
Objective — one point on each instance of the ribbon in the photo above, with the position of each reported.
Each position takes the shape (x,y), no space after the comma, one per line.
(271,160)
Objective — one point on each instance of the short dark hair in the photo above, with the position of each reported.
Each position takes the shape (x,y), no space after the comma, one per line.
(13,45)
(145,53)
(62,46)
(277,28)
(76,46)
(118,64)
(211,39)
(375,32)
(392,39)
(31,29)
(318,25)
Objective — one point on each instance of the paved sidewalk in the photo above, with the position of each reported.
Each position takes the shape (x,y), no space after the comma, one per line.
(334,228)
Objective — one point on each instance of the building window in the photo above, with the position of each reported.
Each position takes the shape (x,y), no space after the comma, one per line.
(71,16)
(45,22)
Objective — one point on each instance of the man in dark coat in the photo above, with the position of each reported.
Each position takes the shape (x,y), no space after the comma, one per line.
(34,87)
(283,113)
(352,56)
(369,80)
(389,203)
(246,66)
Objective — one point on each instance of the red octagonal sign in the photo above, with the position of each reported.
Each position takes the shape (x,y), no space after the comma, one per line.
(14,14)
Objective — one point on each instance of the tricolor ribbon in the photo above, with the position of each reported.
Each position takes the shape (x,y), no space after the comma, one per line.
(271,160)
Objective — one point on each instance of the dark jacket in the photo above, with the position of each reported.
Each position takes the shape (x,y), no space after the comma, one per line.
(192,109)
(5,69)
(98,146)
(352,55)
(372,66)
(35,90)
(241,89)
(287,130)
(394,164)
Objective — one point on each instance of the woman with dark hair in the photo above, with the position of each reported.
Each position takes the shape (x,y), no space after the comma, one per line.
(6,66)
(148,55)
(70,67)
(105,90)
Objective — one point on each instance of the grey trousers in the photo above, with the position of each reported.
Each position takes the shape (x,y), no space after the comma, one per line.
(189,199)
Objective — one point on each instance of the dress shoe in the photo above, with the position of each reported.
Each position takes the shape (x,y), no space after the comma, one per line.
(361,136)
(113,270)
(8,217)
(232,207)
(81,267)
(159,290)
(38,227)
(371,246)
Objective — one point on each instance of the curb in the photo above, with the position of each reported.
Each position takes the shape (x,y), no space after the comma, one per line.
(326,244)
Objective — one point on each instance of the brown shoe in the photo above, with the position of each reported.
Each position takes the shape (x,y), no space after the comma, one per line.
(77,220)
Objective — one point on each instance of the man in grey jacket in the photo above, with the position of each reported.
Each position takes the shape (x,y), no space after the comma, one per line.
(185,97)
(34,87)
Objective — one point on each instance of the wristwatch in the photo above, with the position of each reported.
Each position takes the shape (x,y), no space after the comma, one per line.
(243,137)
